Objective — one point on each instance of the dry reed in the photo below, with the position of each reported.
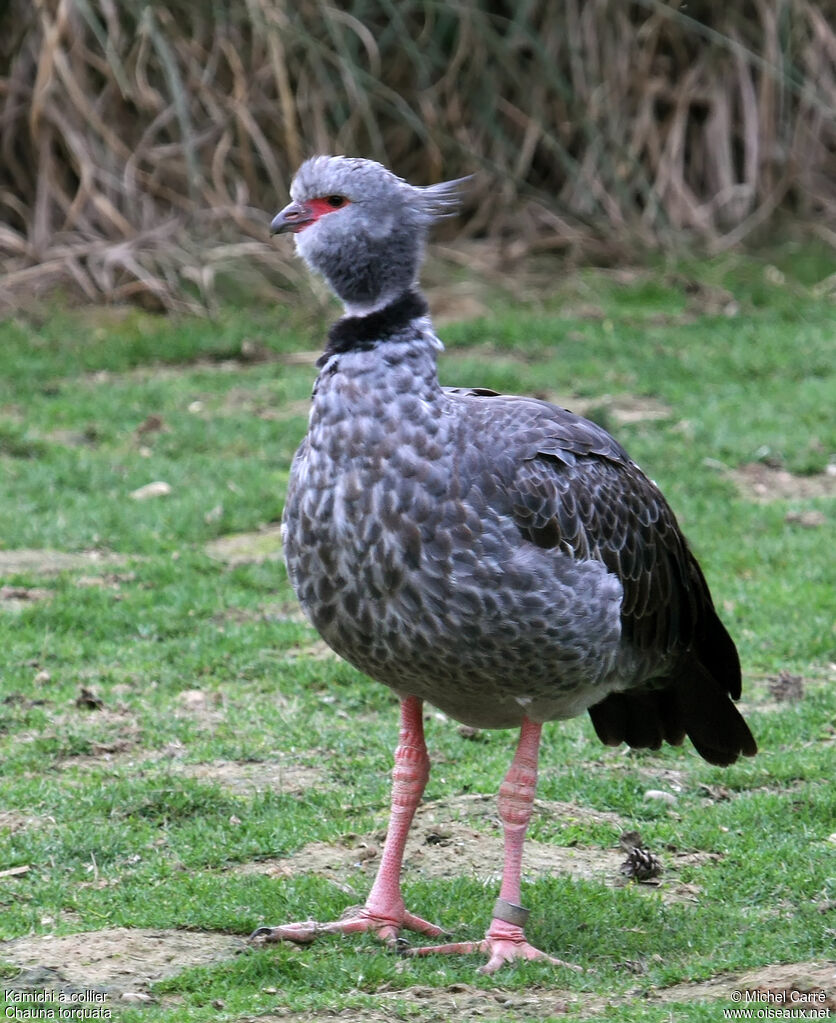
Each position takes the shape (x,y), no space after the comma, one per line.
(143,144)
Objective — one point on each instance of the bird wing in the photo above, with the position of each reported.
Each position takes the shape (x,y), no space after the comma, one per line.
(598,507)
(571,486)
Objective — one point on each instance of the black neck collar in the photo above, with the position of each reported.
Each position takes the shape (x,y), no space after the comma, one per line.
(359,333)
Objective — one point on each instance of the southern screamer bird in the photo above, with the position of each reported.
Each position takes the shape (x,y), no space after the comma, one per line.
(494,555)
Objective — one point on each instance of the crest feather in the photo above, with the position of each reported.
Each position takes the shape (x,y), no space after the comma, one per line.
(443,199)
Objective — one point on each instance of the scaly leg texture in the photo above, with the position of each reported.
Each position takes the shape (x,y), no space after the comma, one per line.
(505,940)
(384,912)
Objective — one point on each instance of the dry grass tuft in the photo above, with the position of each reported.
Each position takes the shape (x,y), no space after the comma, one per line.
(143,144)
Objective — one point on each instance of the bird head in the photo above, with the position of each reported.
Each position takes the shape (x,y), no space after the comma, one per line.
(361,227)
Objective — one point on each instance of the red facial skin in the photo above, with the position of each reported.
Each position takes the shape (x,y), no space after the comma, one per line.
(318,208)
(298,215)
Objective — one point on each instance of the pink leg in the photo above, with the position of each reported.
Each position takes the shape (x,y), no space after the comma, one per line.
(505,940)
(384,911)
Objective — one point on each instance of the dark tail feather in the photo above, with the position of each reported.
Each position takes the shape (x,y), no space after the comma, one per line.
(713,723)
(628,717)
(694,705)
(718,654)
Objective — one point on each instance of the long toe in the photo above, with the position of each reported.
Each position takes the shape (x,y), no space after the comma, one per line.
(355,920)
(421,926)
(505,950)
(303,933)
(499,951)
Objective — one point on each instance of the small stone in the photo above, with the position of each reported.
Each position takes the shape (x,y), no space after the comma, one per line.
(367,852)
(468,732)
(812,519)
(159,488)
(135,997)
(660,796)
(192,699)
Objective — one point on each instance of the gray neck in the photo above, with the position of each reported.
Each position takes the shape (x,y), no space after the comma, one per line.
(370,267)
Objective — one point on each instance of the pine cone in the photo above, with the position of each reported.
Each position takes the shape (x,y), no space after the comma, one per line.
(641,864)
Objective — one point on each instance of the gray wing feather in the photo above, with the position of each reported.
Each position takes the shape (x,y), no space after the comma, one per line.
(572,486)
(607,510)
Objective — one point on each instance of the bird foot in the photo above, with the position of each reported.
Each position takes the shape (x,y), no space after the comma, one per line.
(386,926)
(503,944)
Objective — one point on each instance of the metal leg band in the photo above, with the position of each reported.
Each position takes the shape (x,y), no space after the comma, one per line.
(511,914)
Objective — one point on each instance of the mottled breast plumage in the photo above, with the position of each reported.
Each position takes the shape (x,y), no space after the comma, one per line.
(450,543)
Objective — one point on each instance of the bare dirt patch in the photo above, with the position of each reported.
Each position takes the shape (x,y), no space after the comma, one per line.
(282,775)
(316,650)
(124,962)
(247,548)
(245,778)
(460,302)
(277,611)
(760,482)
(466,1002)
(14,820)
(803,977)
(48,562)
(200,705)
(620,408)
(115,960)
(108,730)
(250,353)
(802,983)
(463,837)
(16,598)
(454,1002)
(261,401)
(770,694)
(786,688)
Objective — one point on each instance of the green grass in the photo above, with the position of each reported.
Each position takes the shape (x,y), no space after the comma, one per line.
(116,832)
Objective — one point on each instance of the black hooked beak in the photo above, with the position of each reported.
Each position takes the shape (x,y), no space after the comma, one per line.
(294,217)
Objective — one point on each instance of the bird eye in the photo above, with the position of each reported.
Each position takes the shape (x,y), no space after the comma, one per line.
(336,201)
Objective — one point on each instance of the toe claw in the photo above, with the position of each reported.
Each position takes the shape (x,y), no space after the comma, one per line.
(300,933)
